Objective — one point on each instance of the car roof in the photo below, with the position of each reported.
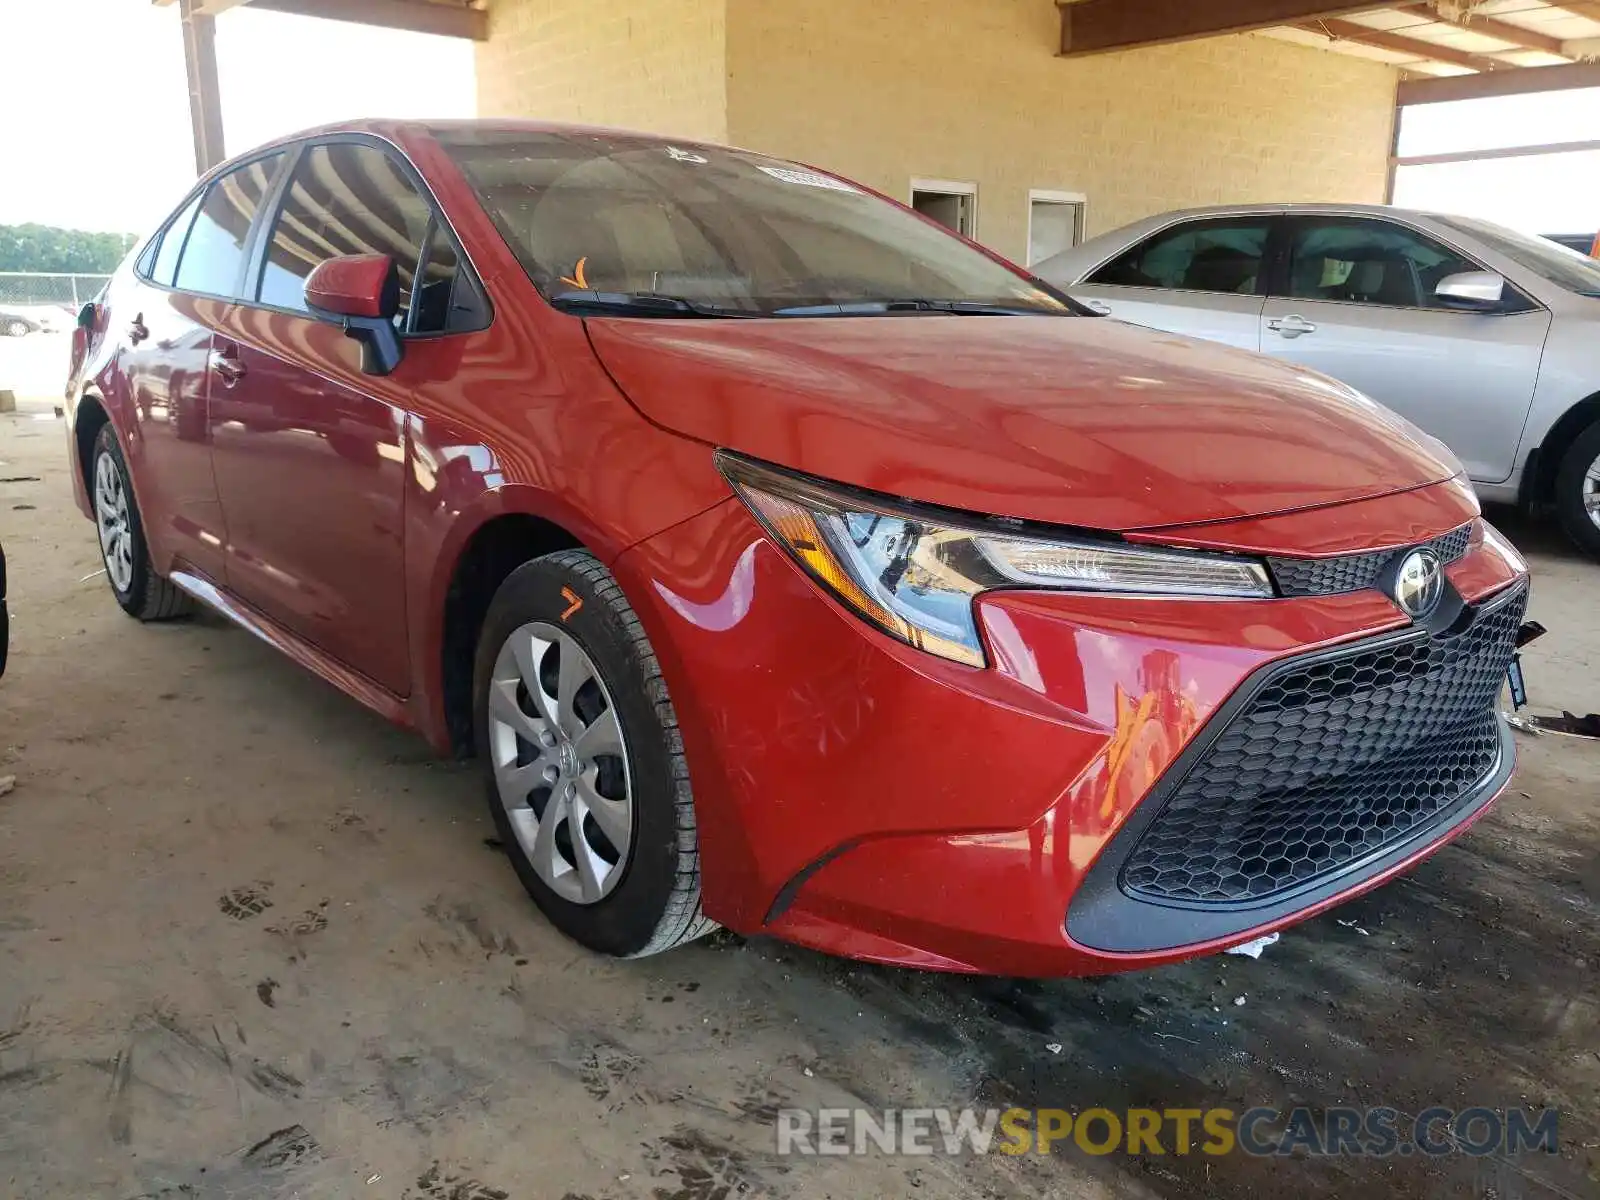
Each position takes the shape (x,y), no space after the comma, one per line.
(392,129)
(1339,206)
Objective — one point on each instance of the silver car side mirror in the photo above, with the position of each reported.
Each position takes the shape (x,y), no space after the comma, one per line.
(1478,291)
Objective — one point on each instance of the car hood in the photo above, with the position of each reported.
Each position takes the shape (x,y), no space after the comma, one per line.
(1072,421)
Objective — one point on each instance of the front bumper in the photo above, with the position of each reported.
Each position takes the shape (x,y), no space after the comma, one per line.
(866,799)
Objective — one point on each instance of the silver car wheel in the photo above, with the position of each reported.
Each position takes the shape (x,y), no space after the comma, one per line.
(116,529)
(560,762)
(1591,491)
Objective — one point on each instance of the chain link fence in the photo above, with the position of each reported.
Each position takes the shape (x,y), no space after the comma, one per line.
(28,287)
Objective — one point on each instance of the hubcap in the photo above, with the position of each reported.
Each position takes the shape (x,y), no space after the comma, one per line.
(1591,491)
(560,762)
(116,530)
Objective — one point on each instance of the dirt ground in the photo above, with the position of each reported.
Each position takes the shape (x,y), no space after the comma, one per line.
(253,943)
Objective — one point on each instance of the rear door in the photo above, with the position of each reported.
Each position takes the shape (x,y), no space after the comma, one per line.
(1355,300)
(310,454)
(184,283)
(1204,278)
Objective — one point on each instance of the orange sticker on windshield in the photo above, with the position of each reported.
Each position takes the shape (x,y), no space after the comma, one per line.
(582,281)
(574,602)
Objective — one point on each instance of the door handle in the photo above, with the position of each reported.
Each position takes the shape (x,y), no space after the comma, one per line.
(1097,306)
(227,367)
(1291,326)
(137,330)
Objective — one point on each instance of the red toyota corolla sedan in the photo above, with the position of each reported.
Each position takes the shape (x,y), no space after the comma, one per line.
(789,562)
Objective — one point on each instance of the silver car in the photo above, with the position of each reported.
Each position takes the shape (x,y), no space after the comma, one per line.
(1486,338)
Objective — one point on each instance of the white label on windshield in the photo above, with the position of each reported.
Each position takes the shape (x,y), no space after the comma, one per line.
(809,179)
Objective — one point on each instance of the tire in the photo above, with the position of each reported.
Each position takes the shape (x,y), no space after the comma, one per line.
(610,760)
(142,593)
(17,329)
(1577,486)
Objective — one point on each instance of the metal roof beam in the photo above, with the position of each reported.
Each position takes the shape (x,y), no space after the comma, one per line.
(1528,39)
(1101,26)
(1517,82)
(418,16)
(1365,35)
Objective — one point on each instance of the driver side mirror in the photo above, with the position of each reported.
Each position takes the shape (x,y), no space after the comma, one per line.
(1472,291)
(362,293)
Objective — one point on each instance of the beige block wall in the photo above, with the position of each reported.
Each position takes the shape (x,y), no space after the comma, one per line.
(971,90)
(657,65)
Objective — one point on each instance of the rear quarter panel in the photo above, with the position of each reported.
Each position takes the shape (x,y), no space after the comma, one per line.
(1568,374)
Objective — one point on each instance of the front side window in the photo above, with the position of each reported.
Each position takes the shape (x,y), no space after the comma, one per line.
(1369,262)
(345,198)
(613,218)
(1200,256)
(213,253)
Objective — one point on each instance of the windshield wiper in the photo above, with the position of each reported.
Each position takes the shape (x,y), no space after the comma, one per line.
(870,308)
(641,304)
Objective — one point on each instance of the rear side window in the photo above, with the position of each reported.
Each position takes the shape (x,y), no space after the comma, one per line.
(1201,256)
(166,263)
(213,254)
(1369,262)
(348,198)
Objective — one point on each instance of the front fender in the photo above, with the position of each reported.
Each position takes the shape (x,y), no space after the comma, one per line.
(624,482)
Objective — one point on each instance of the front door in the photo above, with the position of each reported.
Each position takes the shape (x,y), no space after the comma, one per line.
(1358,304)
(311,454)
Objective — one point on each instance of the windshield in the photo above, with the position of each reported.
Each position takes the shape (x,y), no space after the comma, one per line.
(1563,267)
(605,218)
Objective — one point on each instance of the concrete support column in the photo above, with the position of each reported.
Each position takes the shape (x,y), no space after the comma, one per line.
(205,100)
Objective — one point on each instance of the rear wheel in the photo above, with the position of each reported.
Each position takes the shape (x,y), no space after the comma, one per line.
(17,329)
(583,762)
(1578,490)
(138,589)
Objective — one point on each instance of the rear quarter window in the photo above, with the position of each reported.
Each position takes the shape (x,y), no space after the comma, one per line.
(166,260)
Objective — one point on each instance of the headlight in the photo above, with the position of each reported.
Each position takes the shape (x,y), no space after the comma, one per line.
(914,574)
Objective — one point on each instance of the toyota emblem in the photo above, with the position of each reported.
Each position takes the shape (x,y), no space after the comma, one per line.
(1419,583)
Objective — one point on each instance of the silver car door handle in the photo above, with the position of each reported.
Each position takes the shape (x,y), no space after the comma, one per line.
(1098,306)
(1291,326)
(227,366)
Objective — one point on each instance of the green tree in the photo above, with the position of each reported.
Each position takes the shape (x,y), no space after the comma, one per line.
(46,248)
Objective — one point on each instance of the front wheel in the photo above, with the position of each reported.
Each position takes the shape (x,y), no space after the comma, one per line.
(139,590)
(583,762)
(17,329)
(1578,490)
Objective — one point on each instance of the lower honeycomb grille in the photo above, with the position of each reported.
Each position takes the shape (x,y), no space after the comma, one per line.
(1329,762)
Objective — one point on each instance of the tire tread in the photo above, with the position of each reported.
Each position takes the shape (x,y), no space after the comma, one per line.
(1579,525)
(160,599)
(681,920)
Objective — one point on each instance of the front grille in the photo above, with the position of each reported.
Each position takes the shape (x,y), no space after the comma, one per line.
(1354,572)
(1330,761)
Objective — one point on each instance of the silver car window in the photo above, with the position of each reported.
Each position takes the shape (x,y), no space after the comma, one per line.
(1368,262)
(1199,256)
